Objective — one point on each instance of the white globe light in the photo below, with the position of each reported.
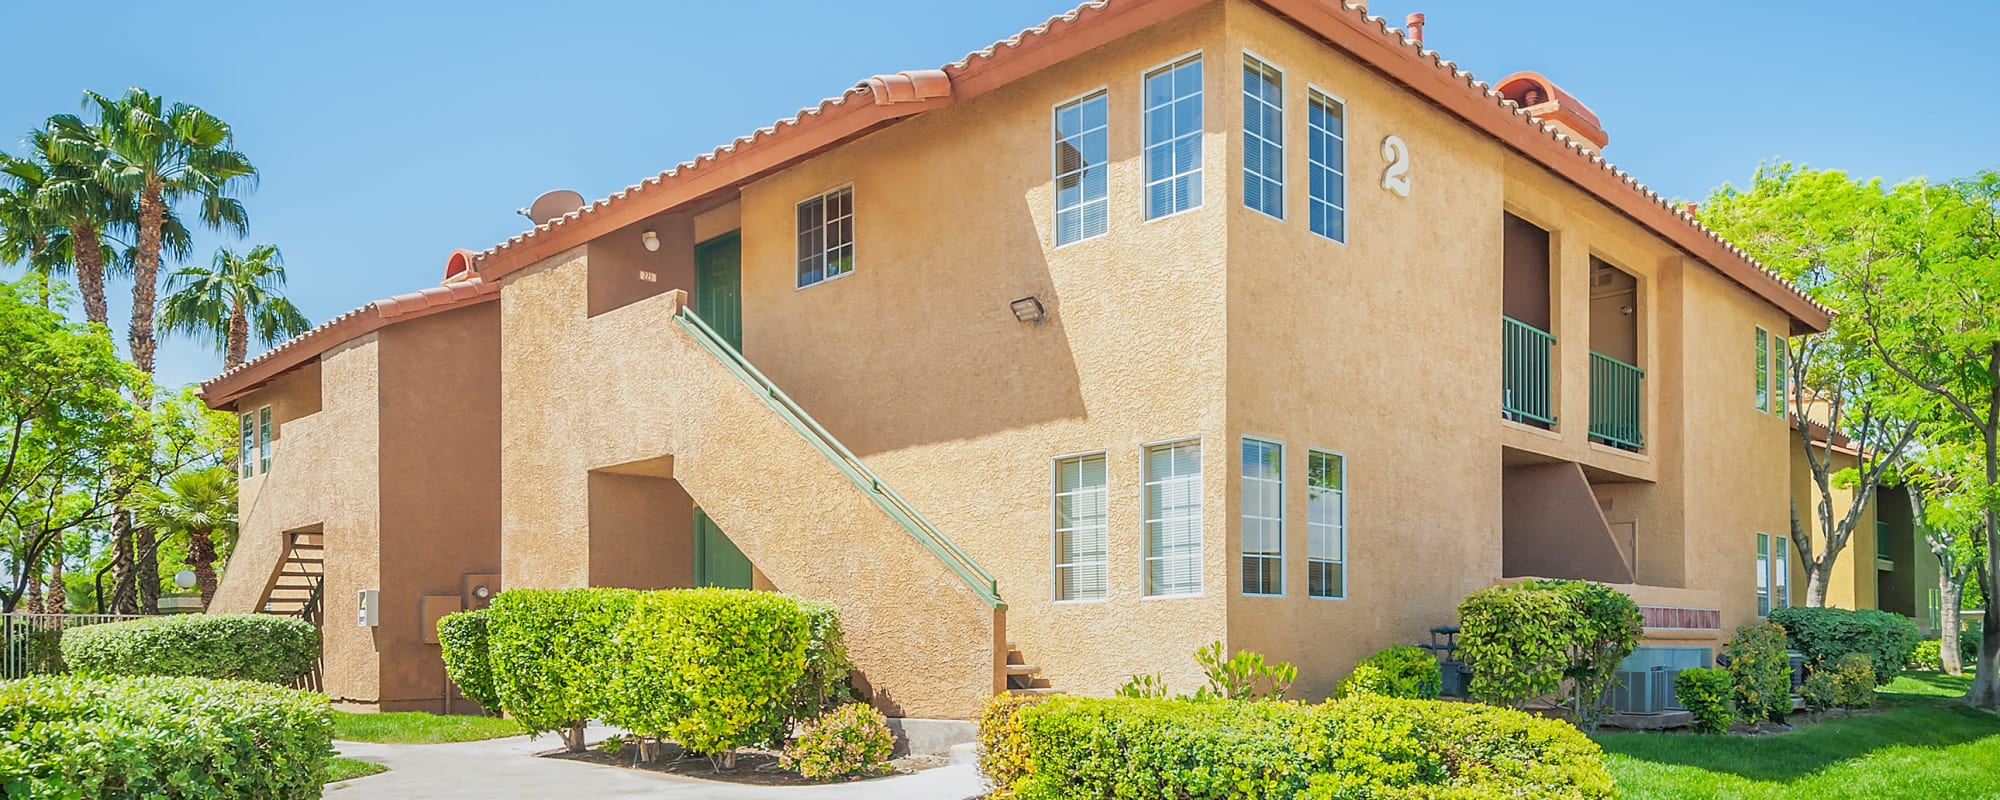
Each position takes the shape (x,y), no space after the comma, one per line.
(184,579)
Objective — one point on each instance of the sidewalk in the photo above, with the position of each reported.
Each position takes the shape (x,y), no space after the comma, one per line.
(508,768)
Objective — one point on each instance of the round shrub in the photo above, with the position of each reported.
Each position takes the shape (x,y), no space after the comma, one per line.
(467,662)
(1524,640)
(1853,681)
(1926,656)
(850,741)
(1761,672)
(1404,671)
(1705,693)
(554,654)
(257,647)
(1824,635)
(1386,747)
(711,669)
(64,737)
(1003,751)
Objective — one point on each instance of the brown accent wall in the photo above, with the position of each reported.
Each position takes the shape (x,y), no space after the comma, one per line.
(440,485)
(1526,263)
(617,259)
(1551,527)
(641,531)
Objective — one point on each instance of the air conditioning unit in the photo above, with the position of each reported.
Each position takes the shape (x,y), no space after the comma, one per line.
(1644,692)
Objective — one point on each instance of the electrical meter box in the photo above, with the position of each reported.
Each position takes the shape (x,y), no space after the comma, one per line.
(368,613)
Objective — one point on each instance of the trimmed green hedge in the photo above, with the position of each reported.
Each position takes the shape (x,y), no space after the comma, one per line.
(1826,634)
(1761,672)
(1405,671)
(1534,638)
(711,669)
(1705,692)
(256,647)
(1364,746)
(71,737)
(462,637)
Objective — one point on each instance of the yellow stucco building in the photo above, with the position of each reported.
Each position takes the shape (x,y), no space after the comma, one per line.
(1887,563)
(1163,323)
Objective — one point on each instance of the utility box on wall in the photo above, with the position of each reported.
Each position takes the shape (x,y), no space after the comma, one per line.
(367,611)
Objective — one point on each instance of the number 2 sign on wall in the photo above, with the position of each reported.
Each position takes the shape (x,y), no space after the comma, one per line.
(1397,177)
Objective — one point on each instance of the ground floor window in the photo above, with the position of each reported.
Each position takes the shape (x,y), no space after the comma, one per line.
(1326,524)
(1263,517)
(1173,519)
(1763,574)
(1081,557)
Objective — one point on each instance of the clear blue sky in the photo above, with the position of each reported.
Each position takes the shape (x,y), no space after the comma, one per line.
(389,135)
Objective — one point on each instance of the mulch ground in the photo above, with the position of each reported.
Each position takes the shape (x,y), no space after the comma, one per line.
(756,767)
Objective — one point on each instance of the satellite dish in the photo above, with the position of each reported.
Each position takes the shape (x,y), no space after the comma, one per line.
(551,205)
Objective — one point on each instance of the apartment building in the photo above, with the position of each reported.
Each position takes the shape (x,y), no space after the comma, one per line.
(1165,322)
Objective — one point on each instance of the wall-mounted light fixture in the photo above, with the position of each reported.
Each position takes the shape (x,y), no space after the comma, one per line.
(652,241)
(1625,309)
(1028,309)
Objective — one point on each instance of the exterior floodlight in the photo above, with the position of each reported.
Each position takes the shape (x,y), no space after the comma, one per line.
(1028,309)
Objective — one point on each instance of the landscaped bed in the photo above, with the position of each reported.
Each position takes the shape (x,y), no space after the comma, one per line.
(1922,744)
(753,766)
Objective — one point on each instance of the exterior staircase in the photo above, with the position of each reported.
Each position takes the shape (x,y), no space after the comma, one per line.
(296,589)
(1023,677)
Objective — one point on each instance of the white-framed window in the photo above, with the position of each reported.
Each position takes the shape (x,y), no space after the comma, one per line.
(1082,167)
(1781,572)
(1763,574)
(246,444)
(1934,603)
(1173,138)
(1763,369)
(1782,356)
(1263,517)
(1326,165)
(826,236)
(1326,524)
(1263,137)
(1082,556)
(1173,519)
(264,437)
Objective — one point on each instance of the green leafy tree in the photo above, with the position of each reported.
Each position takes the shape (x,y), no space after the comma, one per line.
(1931,307)
(199,504)
(1816,228)
(71,440)
(233,299)
(1941,484)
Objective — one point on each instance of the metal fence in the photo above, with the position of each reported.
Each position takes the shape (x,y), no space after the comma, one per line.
(30,644)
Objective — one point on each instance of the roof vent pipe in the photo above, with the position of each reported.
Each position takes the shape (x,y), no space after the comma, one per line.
(1415,22)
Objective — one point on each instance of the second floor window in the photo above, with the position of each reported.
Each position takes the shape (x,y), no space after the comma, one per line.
(1783,367)
(1763,369)
(246,445)
(1173,138)
(1263,137)
(264,439)
(1263,517)
(1326,166)
(1083,205)
(826,236)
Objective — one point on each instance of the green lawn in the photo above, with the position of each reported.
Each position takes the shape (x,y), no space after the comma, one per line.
(340,769)
(411,727)
(1924,745)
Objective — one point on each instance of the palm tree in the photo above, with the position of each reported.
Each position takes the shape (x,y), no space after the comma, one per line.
(200,503)
(161,154)
(29,234)
(231,300)
(71,196)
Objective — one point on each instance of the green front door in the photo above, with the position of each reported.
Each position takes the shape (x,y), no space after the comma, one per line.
(717,562)
(718,286)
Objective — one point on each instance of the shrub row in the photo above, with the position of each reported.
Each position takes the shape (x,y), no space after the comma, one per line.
(1824,635)
(1363,746)
(68,737)
(711,669)
(256,647)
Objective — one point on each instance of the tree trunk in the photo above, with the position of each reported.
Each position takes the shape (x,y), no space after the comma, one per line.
(57,601)
(1817,577)
(237,345)
(33,601)
(1949,592)
(201,556)
(146,569)
(1985,690)
(146,276)
(123,599)
(90,272)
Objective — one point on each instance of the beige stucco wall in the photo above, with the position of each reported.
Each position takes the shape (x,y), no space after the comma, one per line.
(1852,584)
(325,473)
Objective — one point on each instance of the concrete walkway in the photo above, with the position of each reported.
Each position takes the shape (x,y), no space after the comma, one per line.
(508,768)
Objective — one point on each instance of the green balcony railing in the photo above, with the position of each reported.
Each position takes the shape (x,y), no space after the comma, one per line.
(1529,355)
(1615,398)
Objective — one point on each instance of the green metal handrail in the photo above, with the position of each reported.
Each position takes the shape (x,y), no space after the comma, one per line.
(1528,355)
(975,577)
(1615,398)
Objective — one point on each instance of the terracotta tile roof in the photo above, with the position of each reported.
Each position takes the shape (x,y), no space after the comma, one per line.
(223,390)
(1368,38)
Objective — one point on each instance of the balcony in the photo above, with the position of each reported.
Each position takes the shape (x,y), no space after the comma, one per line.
(1529,357)
(1615,397)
